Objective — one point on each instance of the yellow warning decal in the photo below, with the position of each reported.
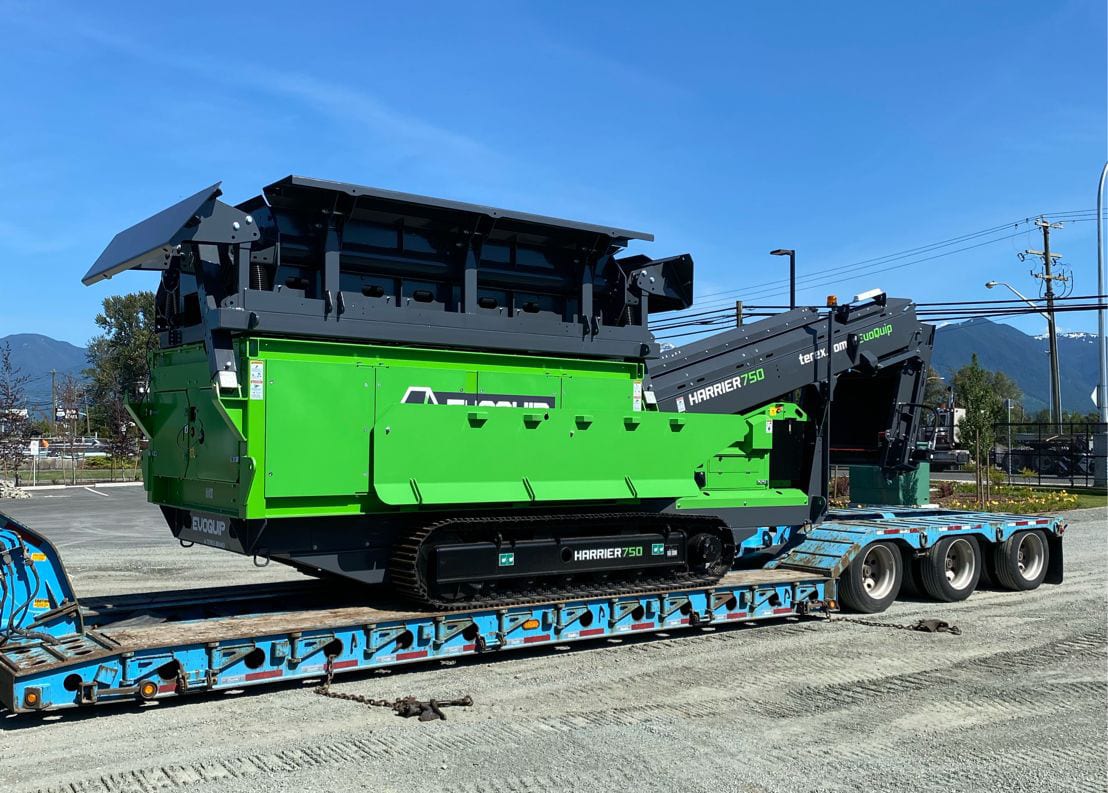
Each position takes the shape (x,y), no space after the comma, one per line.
(42,603)
(38,556)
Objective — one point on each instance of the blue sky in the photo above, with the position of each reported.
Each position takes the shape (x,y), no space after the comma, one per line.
(845,130)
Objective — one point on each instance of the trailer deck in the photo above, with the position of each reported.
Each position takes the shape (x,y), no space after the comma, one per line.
(157,645)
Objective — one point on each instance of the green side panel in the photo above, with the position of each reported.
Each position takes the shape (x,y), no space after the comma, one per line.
(869,484)
(395,381)
(322,428)
(213,446)
(318,421)
(438,454)
(583,393)
(520,383)
(163,417)
(196,445)
(739,476)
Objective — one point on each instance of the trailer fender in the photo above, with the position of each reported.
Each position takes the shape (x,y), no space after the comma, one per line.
(1054,565)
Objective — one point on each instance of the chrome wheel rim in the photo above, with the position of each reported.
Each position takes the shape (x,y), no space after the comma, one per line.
(1029,556)
(959,563)
(878,571)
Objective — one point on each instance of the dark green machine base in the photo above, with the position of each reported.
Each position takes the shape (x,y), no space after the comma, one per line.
(870,484)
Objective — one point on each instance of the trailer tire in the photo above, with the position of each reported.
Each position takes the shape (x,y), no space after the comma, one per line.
(988,565)
(951,569)
(872,581)
(1021,561)
(910,585)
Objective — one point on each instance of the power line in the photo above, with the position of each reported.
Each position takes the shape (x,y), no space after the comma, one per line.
(728,314)
(984,306)
(837,274)
(756,289)
(954,313)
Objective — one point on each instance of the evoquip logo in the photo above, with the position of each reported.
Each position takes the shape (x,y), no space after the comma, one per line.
(422,395)
(876,333)
(215,527)
(207,529)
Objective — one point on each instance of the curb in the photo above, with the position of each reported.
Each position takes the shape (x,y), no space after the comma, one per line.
(35,488)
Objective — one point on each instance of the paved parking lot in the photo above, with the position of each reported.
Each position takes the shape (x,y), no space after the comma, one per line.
(1017,703)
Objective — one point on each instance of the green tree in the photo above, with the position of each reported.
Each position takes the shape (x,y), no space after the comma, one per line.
(936,392)
(1005,387)
(15,422)
(1077,417)
(981,393)
(1040,416)
(70,397)
(119,364)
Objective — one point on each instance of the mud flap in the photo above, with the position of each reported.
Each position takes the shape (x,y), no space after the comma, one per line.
(1054,568)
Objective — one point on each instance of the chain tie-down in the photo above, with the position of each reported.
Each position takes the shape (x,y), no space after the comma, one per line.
(424,710)
(923,626)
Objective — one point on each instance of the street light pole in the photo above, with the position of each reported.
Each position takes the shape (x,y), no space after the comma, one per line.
(1008,404)
(1100,441)
(792,272)
(1049,317)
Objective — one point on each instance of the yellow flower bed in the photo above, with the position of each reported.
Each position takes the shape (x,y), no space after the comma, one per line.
(1017,499)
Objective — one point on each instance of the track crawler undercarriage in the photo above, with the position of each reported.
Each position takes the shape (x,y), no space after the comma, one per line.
(513,559)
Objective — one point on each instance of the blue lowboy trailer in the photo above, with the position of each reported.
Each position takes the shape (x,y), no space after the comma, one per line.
(60,652)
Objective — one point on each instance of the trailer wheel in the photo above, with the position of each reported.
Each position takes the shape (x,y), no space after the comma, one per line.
(1021,561)
(873,579)
(951,569)
(910,586)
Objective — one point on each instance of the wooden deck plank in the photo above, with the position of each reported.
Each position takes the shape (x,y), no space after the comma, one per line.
(223,628)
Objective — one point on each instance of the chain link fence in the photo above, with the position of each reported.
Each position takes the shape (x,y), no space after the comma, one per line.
(58,461)
(1044,453)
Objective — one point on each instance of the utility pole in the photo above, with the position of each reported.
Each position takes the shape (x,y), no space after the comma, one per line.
(53,403)
(738,313)
(1048,277)
(1100,440)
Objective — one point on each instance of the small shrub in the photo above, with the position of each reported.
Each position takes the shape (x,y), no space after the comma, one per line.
(944,488)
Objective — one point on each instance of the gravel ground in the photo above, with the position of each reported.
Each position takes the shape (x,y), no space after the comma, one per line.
(1017,703)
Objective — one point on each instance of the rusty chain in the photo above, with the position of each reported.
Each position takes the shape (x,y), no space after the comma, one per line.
(424,710)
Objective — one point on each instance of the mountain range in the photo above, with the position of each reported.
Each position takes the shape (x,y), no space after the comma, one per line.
(999,347)
(1023,358)
(34,355)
